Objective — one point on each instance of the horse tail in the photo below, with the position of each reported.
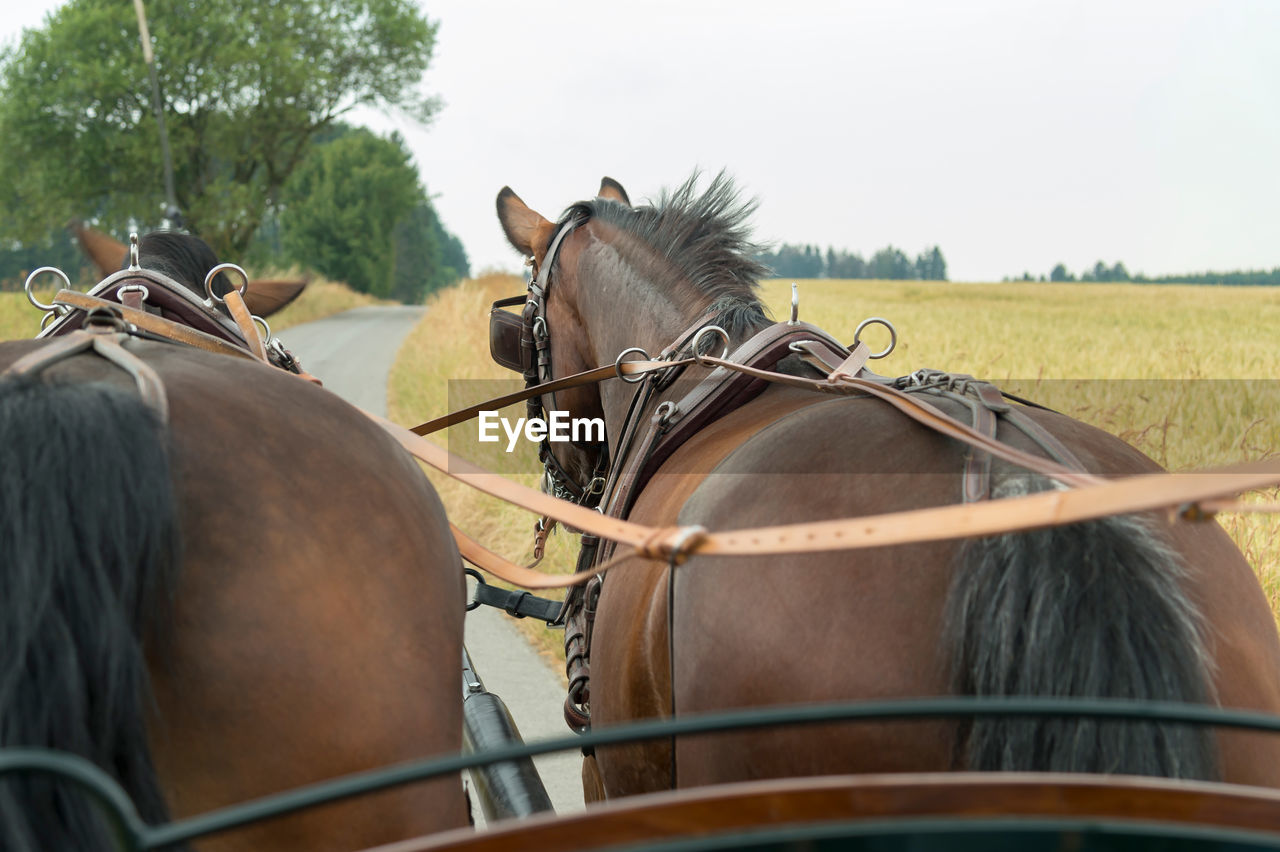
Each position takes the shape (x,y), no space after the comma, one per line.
(88,550)
(1089,610)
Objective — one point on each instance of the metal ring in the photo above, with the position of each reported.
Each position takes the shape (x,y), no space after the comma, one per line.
(664,411)
(266,337)
(893,335)
(212,297)
(540,327)
(134,288)
(617,365)
(479,582)
(31,279)
(133,252)
(697,339)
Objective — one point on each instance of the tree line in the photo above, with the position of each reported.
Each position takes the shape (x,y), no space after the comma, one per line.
(1100,272)
(264,168)
(809,261)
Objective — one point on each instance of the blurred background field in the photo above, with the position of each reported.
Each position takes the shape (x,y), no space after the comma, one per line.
(1185,373)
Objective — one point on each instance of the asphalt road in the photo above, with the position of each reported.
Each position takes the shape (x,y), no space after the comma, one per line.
(352,353)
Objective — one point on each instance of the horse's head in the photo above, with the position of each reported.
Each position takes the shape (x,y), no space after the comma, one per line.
(553,341)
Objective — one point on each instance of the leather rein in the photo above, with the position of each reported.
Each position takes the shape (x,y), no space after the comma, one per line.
(1193,495)
(523,344)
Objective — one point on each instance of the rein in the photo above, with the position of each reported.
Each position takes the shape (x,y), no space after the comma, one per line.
(1193,495)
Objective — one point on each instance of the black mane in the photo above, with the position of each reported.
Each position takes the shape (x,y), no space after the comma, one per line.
(184,258)
(705,238)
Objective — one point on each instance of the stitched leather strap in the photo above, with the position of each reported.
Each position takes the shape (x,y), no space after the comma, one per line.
(244,321)
(1096,499)
(154,324)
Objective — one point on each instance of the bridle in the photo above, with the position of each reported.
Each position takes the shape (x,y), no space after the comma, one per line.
(523,344)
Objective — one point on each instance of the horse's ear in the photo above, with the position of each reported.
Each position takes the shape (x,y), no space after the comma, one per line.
(106,254)
(611,189)
(526,229)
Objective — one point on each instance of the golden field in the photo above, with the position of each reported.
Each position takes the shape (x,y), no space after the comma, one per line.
(1167,368)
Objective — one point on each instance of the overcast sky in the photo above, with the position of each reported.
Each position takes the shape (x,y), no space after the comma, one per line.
(1011,134)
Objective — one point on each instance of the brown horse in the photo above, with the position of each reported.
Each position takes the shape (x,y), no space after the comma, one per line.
(1129,607)
(253,591)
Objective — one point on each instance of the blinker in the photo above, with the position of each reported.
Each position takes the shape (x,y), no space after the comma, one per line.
(505,332)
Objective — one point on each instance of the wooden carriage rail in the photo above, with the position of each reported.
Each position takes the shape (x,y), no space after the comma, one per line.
(915,805)
(139,836)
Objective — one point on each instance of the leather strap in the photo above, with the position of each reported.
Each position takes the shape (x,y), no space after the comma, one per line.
(109,346)
(1095,499)
(154,324)
(587,377)
(926,415)
(244,321)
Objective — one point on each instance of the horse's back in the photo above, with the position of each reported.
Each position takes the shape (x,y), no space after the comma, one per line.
(862,623)
(317,621)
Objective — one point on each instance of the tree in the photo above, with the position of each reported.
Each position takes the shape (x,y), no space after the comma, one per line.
(930,265)
(245,88)
(845,265)
(342,208)
(890,263)
(1060,273)
(427,257)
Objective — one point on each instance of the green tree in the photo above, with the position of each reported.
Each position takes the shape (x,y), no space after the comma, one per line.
(1060,273)
(890,263)
(245,88)
(931,266)
(342,209)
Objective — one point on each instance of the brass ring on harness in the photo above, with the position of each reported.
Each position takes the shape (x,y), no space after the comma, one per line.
(211,296)
(31,297)
(617,365)
(893,335)
(697,343)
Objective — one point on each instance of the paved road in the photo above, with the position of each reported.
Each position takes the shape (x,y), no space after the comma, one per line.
(351,353)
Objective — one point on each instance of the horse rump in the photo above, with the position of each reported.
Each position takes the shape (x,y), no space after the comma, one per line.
(1094,610)
(88,551)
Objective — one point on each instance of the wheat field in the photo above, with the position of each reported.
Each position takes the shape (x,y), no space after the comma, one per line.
(1184,373)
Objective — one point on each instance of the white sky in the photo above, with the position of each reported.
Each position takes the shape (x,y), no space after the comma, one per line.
(1012,134)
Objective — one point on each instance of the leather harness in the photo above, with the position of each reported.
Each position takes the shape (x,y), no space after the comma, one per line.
(144,303)
(652,433)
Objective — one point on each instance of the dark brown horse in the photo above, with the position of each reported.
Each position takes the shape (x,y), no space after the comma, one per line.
(1130,607)
(256,591)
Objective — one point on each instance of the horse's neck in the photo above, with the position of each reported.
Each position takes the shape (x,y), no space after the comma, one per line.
(627,316)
